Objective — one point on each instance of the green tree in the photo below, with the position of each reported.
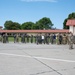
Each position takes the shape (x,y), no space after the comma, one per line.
(35,27)
(16,26)
(27,25)
(70,16)
(64,24)
(44,23)
(9,25)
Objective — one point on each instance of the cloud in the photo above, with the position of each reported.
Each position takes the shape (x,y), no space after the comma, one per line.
(39,0)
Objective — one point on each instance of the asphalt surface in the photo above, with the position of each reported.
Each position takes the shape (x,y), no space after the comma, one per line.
(32,59)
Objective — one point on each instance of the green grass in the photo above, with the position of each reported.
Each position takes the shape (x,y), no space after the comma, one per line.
(11,39)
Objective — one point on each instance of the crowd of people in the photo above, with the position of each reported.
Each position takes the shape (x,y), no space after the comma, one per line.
(47,38)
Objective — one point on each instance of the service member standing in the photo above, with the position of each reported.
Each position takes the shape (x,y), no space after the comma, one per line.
(51,38)
(27,38)
(14,38)
(4,38)
(70,38)
(17,38)
(37,39)
(31,38)
(0,38)
(60,38)
(22,38)
(43,41)
(64,39)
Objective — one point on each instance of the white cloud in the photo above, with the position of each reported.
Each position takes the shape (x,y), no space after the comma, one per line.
(39,0)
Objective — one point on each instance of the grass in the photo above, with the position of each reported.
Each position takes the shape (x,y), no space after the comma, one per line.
(11,39)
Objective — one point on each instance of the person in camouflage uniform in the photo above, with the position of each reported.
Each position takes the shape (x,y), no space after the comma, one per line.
(70,38)
(64,39)
(0,38)
(31,38)
(17,38)
(60,38)
(37,39)
(14,38)
(4,38)
(51,38)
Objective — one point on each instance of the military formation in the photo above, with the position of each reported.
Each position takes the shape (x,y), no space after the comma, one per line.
(47,38)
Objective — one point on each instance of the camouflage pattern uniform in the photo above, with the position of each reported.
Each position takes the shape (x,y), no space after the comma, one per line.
(4,38)
(70,38)
(0,38)
(64,39)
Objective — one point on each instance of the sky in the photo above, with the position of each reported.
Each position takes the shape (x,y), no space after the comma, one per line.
(33,10)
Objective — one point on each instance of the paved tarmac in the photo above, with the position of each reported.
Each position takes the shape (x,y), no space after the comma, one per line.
(32,59)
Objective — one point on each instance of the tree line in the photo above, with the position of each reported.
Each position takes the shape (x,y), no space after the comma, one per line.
(43,23)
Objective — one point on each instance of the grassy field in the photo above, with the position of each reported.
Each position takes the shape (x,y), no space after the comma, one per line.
(11,39)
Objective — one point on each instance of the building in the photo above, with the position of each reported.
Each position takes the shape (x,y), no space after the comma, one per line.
(34,31)
(71,24)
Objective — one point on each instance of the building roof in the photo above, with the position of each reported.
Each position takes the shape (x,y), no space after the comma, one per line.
(34,31)
(71,22)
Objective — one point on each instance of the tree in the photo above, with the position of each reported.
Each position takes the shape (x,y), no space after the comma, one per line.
(16,26)
(44,23)
(27,25)
(9,25)
(64,24)
(35,27)
(70,16)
